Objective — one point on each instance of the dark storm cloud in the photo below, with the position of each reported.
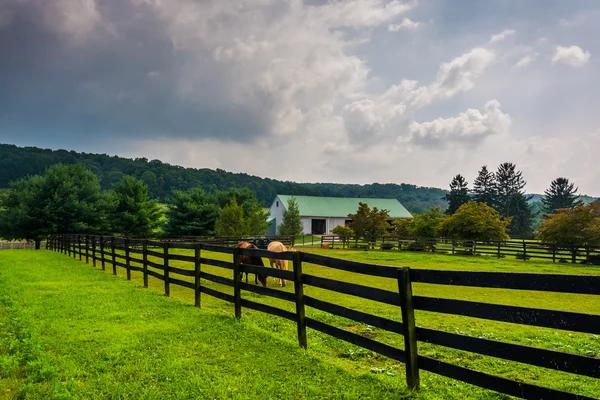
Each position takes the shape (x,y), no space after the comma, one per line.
(125,79)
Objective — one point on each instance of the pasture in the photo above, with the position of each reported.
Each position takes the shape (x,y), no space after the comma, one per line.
(67,331)
(362,362)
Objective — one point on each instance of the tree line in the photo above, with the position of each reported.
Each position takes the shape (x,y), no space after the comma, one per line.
(163,179)
(69,199)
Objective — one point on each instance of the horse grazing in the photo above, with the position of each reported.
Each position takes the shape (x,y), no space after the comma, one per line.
(252,260)
(278,247)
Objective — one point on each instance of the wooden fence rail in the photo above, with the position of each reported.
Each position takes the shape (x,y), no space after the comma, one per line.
(521,249)
(80,245)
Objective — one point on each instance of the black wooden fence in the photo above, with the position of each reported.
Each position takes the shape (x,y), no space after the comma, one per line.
(521,249)
(109,250)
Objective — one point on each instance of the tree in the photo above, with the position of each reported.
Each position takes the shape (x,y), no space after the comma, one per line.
(231,220)
(344,232)
(560,194)
(459,194)
(369,223)
(134,215)
(484,188)
(254,215)
(291,224)
(191,213)
(574,226)
(426,225)
(66,199)
(512,202)
(475,221)
(402,228)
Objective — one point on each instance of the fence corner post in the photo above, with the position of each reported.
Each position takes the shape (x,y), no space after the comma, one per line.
(299,292)
(409,329)
(237,278)
(145,261)
(197,270)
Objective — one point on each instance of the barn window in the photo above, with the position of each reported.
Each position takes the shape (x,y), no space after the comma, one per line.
(277,203)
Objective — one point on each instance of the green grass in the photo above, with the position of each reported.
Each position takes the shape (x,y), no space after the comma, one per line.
(358,363)
(67,331)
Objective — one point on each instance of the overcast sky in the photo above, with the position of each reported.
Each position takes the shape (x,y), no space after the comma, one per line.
(315,91)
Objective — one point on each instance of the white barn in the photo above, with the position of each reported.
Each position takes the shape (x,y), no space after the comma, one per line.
(320,215)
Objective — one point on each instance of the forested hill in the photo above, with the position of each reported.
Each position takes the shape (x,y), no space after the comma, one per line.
(161,178)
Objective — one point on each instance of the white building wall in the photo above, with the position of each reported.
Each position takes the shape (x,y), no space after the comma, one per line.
(333,222)
(276,211)
(306,225)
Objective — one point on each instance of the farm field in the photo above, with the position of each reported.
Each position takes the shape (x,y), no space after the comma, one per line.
(67,331)
(355,360)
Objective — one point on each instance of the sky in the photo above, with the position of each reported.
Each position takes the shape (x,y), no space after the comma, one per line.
(355,91)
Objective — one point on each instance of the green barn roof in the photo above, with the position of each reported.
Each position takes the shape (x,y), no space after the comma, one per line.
(314,206)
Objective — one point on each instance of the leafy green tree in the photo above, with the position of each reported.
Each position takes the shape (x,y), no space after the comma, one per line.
(134,215)
(369,223)
(402,228)
(458,195)
(512,202)
(231,220)
(291,224)
(484,187)
(191,213)
(574,226)
(66,199)
(426,225)
(344,232)
(475,221)
(256,219)
(560,194)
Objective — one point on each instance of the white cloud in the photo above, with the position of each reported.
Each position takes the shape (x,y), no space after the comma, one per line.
(502,35)
(406,23)
(468,128)
(526,60)
(574,56)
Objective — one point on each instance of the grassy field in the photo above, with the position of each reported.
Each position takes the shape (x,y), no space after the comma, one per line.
(354,360)
(67,331)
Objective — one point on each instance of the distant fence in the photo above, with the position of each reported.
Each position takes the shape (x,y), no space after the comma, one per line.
(105,250)
(18,244)
(521,249)
(227,240)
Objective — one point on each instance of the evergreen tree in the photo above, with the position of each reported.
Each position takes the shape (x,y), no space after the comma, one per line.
(512,202)
(256,219)
(560,194)
(484,188)
(134,215)
(66,199)
(291,224)
(191,213)
(459,194)
(231,220)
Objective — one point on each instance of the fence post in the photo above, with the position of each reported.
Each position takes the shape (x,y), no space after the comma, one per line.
(102,253)
(127,260)
(79,247)
(573,254)
(197,270)
(499,249)
(68,243)
(74,245)
(553,252)
(166,266)
(87,253)
(114,256)
(524,250)
(299,291)
(237,290)
(409,329)
(145,261)
(94,250)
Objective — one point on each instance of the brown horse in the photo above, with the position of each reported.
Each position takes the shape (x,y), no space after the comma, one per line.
(252,260)
(278,247)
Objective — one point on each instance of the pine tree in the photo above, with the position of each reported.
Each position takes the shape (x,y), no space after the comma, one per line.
(512,202)
(484,188)
(134,214)
(291,225)
(231,220)
(459,194)
(191,213)
(560,194)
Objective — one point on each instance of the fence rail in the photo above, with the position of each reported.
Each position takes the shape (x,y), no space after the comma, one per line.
(103,250)
(521,249)
(19,244)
